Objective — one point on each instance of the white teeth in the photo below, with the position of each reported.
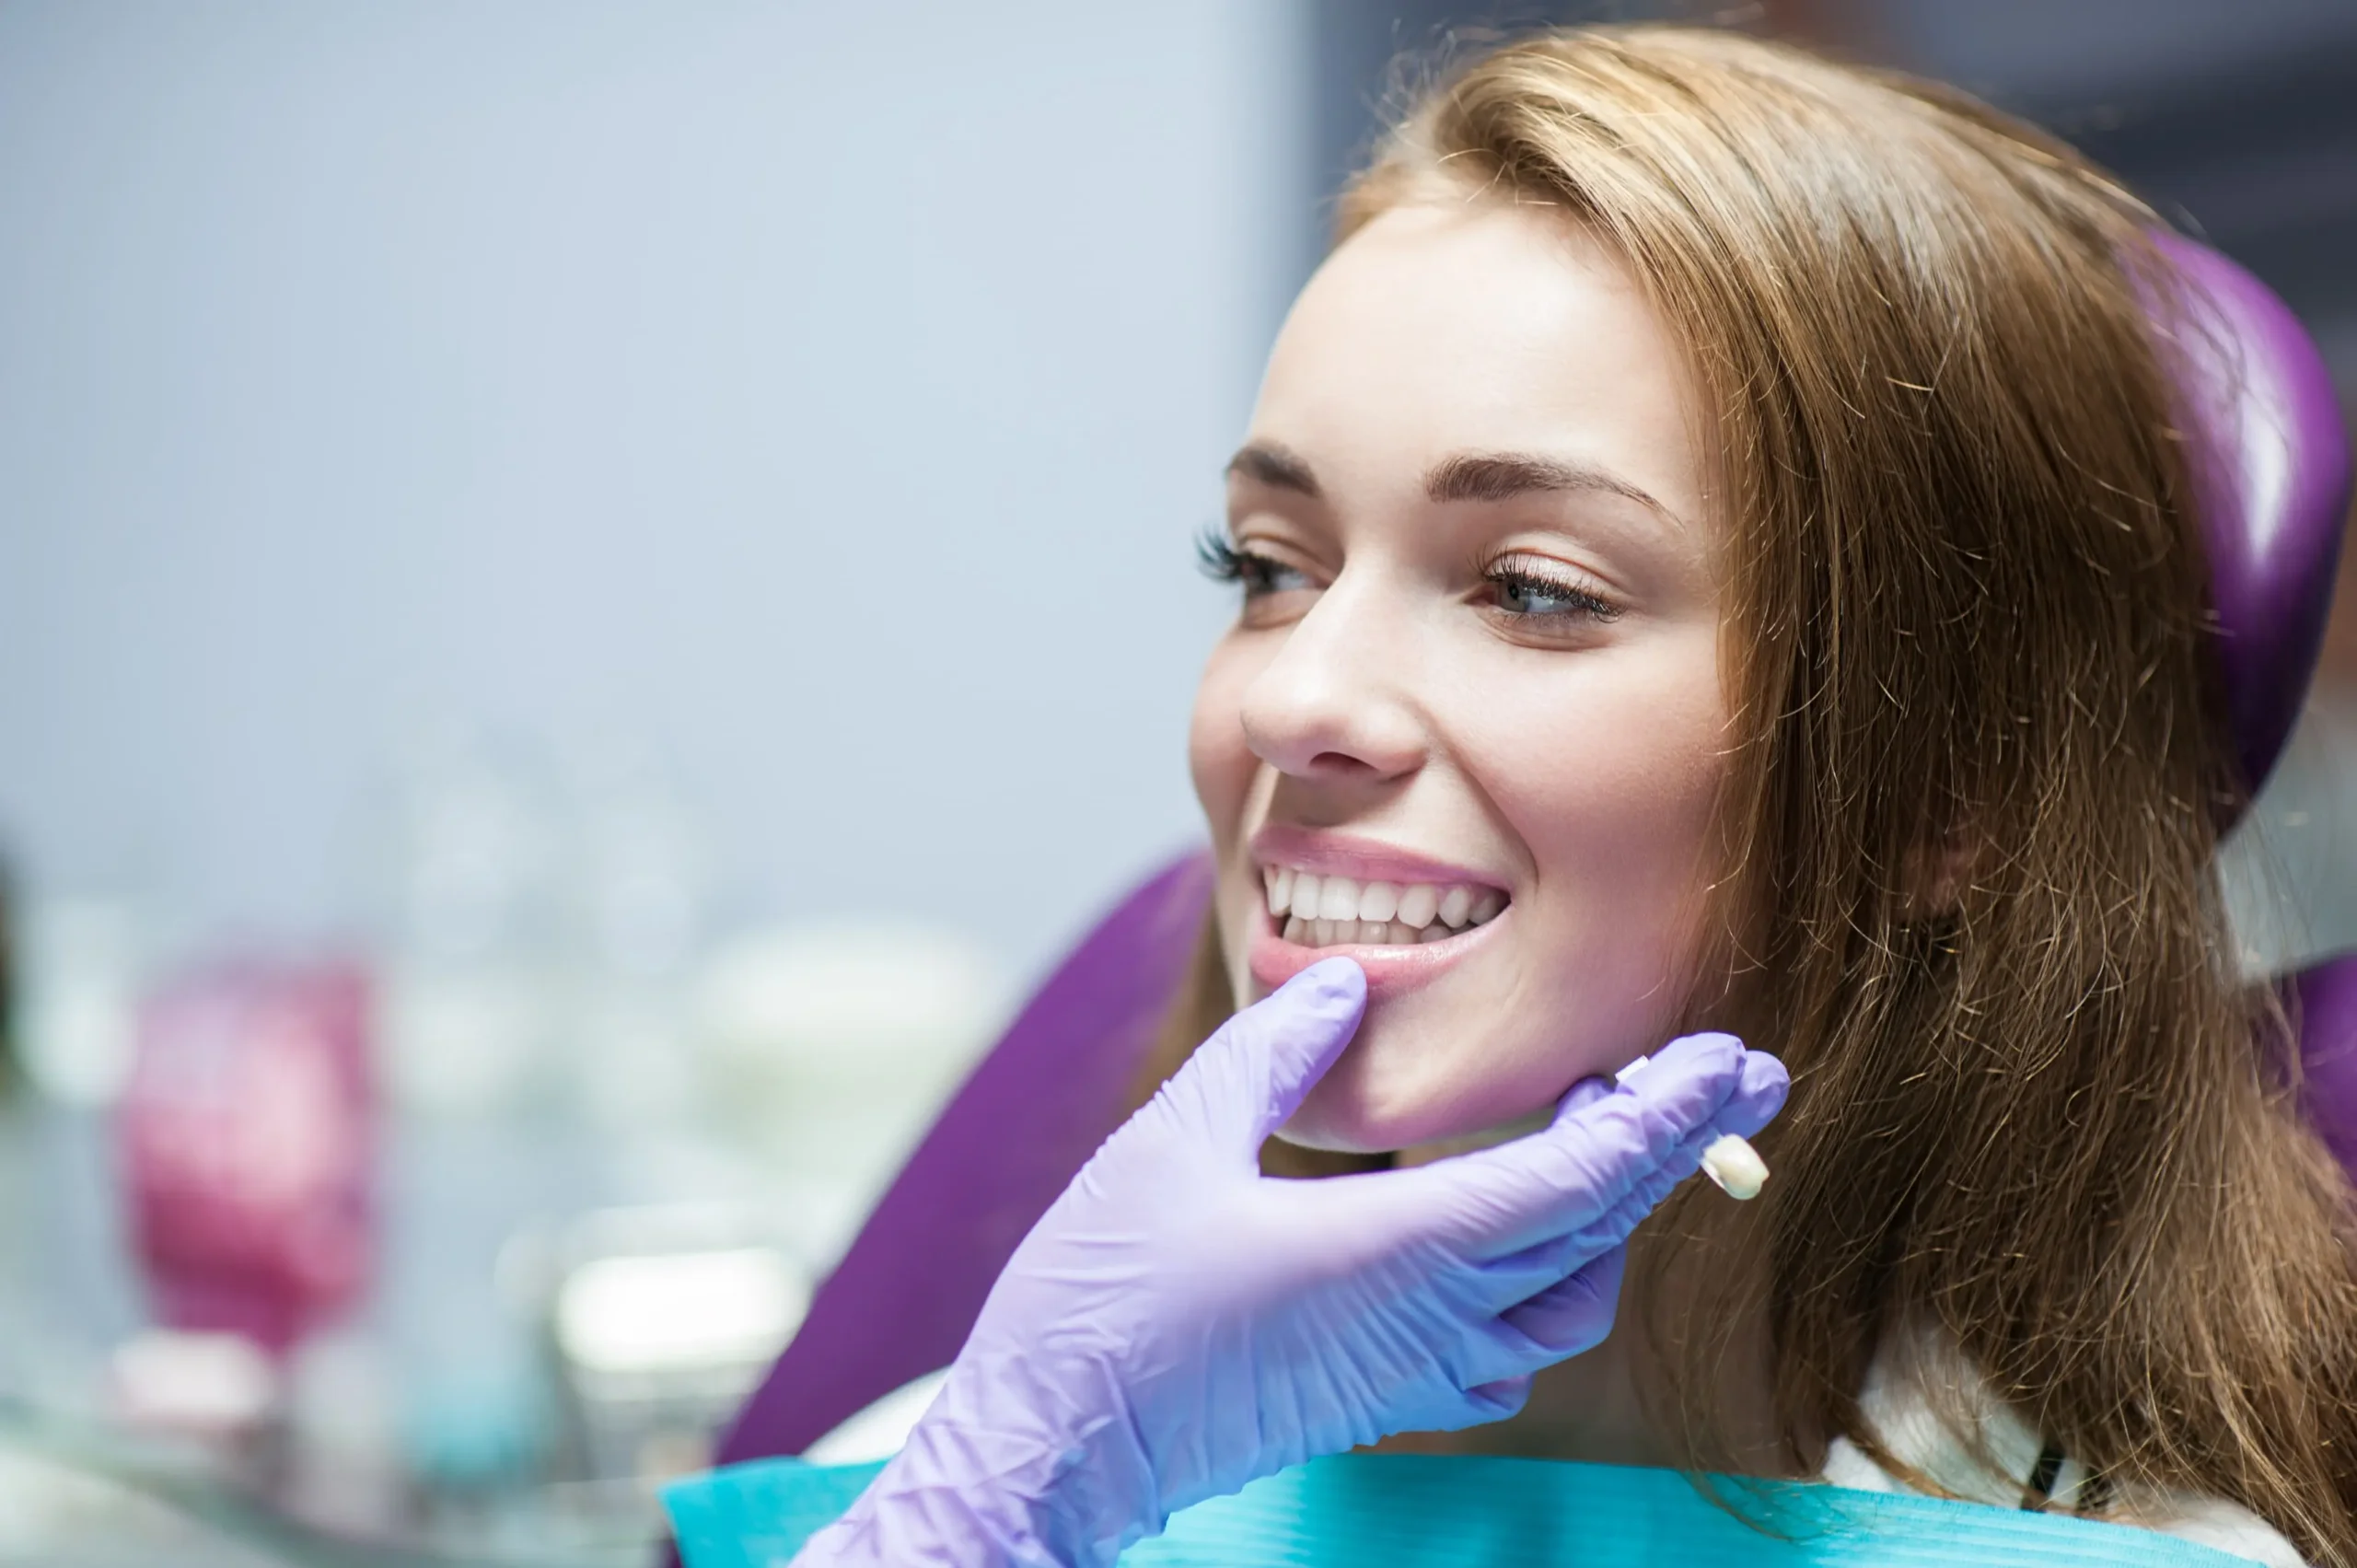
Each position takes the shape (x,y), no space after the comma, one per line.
(1328,912)
(1338,899)
(1305,896)
(1279,890)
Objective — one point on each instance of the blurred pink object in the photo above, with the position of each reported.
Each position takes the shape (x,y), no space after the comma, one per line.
(246,1142)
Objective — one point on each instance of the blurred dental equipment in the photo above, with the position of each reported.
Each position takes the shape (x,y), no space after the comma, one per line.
(833,1045)
(246,1137)
(658,1321)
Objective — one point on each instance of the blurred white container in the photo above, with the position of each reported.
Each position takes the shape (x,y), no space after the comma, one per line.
(214,1385)
(634,886)
(660,1320)
(835,1044)
(84,963)
(470,992)
(343,1459)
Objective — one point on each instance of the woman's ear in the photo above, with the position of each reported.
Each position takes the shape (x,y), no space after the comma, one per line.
(1935,874)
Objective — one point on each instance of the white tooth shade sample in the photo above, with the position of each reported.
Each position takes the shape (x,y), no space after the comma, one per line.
(1280,888)
(1379,901)
(1456,905)
(1730,1161)
(1419,904)
(1735,1165)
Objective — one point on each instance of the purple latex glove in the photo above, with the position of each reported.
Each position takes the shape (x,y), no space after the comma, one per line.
(1176,1324)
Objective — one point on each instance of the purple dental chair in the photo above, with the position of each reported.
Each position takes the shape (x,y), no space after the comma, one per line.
(2276,479)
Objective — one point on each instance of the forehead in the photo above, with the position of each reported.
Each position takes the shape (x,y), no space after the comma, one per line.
(1455,327)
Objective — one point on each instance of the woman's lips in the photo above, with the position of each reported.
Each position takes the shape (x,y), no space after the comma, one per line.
(1390,968)
(1324,852)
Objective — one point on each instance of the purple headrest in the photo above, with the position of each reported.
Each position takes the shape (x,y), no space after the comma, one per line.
(2272,469)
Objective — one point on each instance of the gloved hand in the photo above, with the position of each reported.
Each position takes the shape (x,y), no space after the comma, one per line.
(1177,1325)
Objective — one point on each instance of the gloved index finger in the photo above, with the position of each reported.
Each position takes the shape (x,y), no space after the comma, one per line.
(1761,1084)
(1247,1080)
(1576,1170)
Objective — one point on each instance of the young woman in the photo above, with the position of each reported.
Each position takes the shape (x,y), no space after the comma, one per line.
(1715,554)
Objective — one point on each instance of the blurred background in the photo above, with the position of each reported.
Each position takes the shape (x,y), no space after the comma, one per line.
(590,592)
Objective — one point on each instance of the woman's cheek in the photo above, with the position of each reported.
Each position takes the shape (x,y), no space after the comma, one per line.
(1618,768)
(1218,757)
(1223,769)
(1615,810)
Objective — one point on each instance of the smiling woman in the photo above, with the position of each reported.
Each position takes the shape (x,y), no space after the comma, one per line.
(1722,511)
(1478,653)
(1716,559)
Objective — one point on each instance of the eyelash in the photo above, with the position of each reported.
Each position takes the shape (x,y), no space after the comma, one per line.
(1585,602)
(1222,562)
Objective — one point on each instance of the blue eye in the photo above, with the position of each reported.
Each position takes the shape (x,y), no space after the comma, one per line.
(1263,576)
(1522,592)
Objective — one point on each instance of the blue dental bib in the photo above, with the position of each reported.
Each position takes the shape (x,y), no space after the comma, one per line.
(1419,1511)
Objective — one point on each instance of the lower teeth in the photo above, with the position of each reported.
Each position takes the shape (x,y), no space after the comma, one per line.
(1353,933)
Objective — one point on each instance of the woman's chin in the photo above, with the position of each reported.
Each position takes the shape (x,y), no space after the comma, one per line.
(1358,1107)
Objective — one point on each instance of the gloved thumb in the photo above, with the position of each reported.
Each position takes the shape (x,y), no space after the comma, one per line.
(1246,1081)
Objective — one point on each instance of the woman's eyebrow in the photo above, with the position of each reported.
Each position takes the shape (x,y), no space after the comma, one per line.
(1275,466)
(1463,476)
(1498,476)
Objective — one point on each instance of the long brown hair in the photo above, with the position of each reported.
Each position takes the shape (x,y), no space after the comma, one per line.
(1970,892)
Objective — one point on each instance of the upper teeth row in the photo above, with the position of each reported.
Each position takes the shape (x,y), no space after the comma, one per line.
(1339,898)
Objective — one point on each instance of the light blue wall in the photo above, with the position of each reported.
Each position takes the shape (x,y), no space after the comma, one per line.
(818,395)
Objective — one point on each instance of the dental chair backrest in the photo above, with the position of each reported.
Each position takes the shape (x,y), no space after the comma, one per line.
(2273,466)
(2274,472)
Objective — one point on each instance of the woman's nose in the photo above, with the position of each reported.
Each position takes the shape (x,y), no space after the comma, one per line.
(1333,704)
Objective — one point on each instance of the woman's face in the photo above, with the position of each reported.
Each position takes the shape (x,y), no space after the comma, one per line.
(1468,726)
